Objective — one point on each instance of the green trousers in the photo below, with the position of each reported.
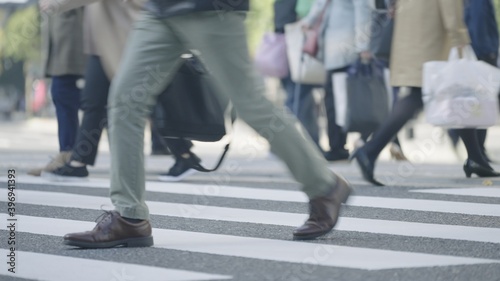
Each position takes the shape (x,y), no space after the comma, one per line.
(151,58)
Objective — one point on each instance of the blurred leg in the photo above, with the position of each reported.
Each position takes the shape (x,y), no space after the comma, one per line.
(66,97)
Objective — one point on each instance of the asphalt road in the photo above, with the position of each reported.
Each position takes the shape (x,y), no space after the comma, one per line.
(431,223)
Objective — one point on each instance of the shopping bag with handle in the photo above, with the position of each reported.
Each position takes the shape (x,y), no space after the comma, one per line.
(461,92)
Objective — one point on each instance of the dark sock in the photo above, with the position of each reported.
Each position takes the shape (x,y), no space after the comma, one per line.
(132,220)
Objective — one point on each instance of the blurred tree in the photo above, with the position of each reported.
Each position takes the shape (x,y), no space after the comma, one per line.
(259,20)
(497,9)
(20,36)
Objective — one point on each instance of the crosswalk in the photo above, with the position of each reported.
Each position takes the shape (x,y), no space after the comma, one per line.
(216,241)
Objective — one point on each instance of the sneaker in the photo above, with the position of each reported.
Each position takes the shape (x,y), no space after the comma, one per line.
(182,168)
(57,162)
(67,173)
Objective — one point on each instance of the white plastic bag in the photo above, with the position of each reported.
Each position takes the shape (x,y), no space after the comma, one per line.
(461,93)
(304,69)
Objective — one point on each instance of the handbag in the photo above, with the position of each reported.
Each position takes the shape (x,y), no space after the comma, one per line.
(311,42)
(189,108)
(361,97)
(304,69)
(271,59)
(461,92)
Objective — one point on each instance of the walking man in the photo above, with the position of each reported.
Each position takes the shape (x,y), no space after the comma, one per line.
(216,31)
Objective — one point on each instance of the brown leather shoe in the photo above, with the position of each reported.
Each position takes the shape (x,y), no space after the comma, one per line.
(324,212)
(111,231)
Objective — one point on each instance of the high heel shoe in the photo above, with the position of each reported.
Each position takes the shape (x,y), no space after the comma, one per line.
(396,153)
(365,165)
(471,167)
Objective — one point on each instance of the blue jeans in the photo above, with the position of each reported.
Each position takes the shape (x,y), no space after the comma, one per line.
(302,105)
(66,98)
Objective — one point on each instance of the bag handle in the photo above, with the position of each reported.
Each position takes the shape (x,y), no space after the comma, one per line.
(467,54)
(200,167)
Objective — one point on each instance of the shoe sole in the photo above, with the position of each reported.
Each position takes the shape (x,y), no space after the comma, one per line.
(57,178)
(312,236)
(128,243)
(178,178)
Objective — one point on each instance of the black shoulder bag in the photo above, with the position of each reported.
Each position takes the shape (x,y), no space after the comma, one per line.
(189,108)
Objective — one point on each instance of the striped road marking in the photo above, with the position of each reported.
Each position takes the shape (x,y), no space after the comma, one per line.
(46,267)
(297,196)
(492,192)
(263,249)
(411,229)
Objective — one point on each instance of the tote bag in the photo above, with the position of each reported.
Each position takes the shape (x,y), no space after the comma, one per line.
(304,69)
(361,97)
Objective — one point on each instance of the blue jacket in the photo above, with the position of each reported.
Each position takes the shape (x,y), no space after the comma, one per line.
(483,29)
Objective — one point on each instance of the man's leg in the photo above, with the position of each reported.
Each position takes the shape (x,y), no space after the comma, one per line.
(223,47)
(151,57)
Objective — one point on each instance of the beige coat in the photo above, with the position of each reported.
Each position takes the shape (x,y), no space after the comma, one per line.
(106,26)
(425,30)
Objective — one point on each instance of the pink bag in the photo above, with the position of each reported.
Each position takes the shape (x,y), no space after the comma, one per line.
(271,58)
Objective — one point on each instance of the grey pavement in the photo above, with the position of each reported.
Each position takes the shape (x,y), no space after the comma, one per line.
(429,223)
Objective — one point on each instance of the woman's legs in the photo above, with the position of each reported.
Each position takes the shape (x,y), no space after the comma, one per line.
(474,153)
(404,109)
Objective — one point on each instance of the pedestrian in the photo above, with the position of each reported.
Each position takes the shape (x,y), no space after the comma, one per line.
(107,25)
(424,31)
(345,38)
(63,62)
(217,33)
(483,30)
(299,97)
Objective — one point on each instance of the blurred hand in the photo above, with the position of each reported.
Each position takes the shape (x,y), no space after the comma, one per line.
(391,12)
(460,49)
(365,56)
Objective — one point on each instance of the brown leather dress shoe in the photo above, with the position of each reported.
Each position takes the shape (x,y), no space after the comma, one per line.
(111,231)
(324,212)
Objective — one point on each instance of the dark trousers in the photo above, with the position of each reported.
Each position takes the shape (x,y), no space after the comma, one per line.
(94,101)
(337,137)
(178,147)
(300,101)
(66,98)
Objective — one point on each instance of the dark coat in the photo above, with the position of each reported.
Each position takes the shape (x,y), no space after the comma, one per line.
(284,13)
(482,26)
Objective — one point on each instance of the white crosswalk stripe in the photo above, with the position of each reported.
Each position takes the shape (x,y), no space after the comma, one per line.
(319,253)
(467,233)
(34,266)
(297,196)
(267,249)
